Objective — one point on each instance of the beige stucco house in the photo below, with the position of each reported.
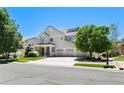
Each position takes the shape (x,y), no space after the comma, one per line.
(53,42)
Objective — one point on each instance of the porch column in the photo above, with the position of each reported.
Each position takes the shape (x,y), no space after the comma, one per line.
(44,51)
(50,51)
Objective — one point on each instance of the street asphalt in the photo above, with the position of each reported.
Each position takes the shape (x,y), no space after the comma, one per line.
(30,74)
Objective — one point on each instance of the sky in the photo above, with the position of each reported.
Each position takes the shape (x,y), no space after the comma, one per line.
(34,20)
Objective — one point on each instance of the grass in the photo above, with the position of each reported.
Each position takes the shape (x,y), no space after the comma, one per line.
(120,58)
(92,65)
(21,59)
(26,59)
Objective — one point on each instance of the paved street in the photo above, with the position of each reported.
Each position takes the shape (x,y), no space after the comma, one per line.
(29,74)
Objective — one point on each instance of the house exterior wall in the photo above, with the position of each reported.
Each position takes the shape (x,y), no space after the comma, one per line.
(63,47)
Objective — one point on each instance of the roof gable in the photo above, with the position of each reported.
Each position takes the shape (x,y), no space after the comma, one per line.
(49,29)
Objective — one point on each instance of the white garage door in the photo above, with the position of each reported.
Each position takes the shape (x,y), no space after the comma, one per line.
(65,52)
(69,52)
(60,52)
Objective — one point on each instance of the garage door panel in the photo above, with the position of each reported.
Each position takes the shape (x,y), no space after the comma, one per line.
(69,52)
(65,52)
(60,52)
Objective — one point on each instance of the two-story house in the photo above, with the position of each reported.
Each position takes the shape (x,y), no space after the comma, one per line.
(53,42)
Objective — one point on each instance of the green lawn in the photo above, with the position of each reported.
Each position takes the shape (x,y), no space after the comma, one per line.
(92,65)
(21,59)
(26,59)
(120,58)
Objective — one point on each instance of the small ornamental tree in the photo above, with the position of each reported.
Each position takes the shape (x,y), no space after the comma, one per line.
(29,48)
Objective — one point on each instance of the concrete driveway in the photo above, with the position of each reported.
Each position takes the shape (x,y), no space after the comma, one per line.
(55,61)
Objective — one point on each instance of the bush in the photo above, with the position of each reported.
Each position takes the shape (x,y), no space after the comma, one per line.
(15,56)
(2,57)
(32,54)
(109,66)
(29,48)
(115,54)
(104,55)
(99,58)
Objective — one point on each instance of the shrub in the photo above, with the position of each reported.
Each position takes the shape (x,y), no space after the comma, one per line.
(15,56)
(29,48)
(109,66)
(32,54)
(99,58)
(104,55)
(2,57)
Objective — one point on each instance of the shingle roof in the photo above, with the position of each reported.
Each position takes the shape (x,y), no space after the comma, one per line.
(72,30)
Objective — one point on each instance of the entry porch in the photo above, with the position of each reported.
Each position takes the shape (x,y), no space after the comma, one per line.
(45,49)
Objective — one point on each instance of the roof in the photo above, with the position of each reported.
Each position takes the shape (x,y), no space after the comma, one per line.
(30,39)
(45,45)
(51,27)
(67,32)
(72,30)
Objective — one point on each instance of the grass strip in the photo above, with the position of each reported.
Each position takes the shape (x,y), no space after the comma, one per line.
(92,65)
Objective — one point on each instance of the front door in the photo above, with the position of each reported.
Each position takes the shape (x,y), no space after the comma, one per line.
(42,53)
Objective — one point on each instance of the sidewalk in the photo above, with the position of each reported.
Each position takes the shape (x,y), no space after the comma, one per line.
(119,65)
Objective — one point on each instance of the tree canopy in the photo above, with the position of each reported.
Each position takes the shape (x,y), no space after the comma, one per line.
(92,38)
(10,38)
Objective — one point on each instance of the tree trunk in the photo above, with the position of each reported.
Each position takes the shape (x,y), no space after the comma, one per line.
(107,59)
(7,56)
(91,55)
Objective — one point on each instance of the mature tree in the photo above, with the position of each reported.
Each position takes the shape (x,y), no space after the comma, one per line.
(114,38)
(100,40)
(84,40)
(91,38)
(8,33)
(17,42)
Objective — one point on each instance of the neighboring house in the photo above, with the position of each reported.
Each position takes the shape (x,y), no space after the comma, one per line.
(53,42)
(120,48)
(32,41)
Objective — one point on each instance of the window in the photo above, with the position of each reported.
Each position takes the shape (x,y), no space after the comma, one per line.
(51,39)
(69,38)
(69,49)
(59,49)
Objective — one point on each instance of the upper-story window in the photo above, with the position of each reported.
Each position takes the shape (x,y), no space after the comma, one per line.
(69,38)
(72,39)
(51,39)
